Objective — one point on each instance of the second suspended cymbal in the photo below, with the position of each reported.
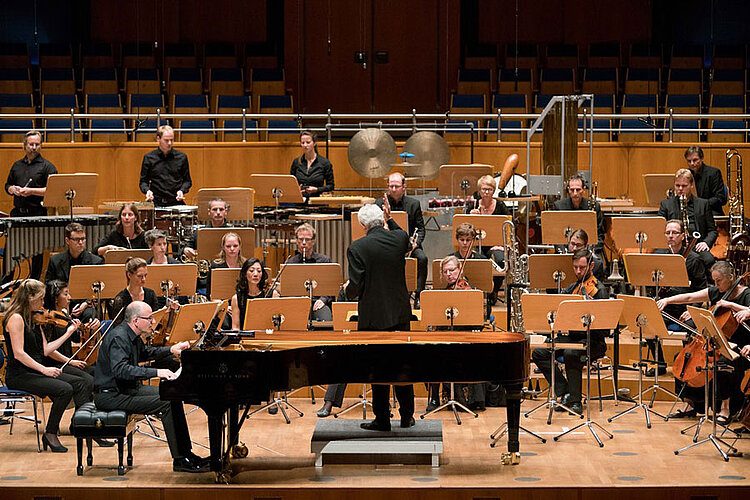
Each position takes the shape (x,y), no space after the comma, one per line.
(430,150)
(371,152)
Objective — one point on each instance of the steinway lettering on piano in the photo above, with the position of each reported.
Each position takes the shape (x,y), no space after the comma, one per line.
(219,381)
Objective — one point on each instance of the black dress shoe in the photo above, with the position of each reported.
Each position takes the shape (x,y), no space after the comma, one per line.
(53,443)
(416,303)
(431,405)
(105,443)
(323,412)
(662,371)
(376,426)
(563,401)
(576,408)
(407,422)
(692,412)
(199,460)
(184,464)
(273,410)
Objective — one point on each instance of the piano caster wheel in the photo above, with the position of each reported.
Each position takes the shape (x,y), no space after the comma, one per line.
(223,478)
(511,458)
(239,450)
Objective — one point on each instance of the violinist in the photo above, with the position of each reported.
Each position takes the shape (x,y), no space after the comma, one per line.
(466,237)
(252,284)
(726,294)
(574,359)
(26,371)
(580,239)
(136,272)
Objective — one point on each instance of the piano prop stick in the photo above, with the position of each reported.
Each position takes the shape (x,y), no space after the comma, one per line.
(550,271)
(557,226)
(643,233)
(452,308)
(191,319)
(281,313)
(577,315)
(240,203)
(182,276)
(70,190)
(311,280)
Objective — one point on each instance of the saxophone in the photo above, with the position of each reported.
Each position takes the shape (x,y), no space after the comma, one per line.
(516,276)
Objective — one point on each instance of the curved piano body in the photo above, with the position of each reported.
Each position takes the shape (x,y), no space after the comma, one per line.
(219,381)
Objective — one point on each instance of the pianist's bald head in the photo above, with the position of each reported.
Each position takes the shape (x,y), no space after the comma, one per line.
(136,310)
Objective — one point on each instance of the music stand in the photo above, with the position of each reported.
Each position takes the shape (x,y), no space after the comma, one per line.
(68,190)
(539,310)
(558,225)
(642,314)
(183,276)
(551,271)
(715,343)
(190,316)
(454,179)
(358,230)
(272,189)
(589,314)
(342,320)
(208,240)
(639,232)
(311,280)
(223,283)
(656,186)
(451,308)
(239,203)
(489,228)
(122,256)
(98,281)
(478,272)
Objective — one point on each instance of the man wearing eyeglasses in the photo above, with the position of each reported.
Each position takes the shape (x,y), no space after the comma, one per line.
(119,376)
(306,254)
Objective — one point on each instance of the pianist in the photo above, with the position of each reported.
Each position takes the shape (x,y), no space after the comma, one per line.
(27,179)
(165,172)
(119,376)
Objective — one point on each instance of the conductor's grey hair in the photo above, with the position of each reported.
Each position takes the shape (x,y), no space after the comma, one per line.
(370,216)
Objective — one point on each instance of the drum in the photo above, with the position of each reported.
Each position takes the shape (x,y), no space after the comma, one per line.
(176,221)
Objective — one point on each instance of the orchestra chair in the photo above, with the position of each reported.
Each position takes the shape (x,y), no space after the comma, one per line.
(90,423)
(138,55)
(10,397)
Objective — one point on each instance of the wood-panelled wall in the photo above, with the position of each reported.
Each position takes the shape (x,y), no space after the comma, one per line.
(617,168)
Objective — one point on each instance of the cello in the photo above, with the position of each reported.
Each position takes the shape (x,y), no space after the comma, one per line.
(725,316)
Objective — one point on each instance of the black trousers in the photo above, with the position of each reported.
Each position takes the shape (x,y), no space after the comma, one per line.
(146,402)
(421,257)
(72,384)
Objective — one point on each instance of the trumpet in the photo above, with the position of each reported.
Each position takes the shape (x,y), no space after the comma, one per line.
(204,267)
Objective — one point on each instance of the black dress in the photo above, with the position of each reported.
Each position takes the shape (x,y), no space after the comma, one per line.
(124,299)
(119,240)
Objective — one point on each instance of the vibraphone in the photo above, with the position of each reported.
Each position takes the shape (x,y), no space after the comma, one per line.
(26,237)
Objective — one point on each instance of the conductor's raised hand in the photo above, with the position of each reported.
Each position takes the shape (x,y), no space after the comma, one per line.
(149,195)
(386,208)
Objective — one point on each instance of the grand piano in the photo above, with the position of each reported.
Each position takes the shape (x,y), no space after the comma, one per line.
(220,381)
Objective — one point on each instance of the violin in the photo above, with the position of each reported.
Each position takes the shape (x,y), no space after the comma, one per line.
(51,317)
(163,330)
(587,287)
(462,284)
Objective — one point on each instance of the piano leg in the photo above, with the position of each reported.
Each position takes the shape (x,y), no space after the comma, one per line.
(216,438)
(513,401)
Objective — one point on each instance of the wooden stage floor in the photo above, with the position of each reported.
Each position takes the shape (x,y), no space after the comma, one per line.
(638,461)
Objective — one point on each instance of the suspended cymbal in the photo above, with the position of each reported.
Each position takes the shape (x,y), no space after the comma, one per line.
(429,149)
(371,152)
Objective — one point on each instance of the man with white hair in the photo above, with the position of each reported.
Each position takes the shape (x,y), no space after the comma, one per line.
(377,278)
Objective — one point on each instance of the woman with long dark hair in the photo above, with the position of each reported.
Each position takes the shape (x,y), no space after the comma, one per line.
(251,284)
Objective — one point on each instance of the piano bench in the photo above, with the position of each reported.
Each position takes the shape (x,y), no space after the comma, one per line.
(90,423)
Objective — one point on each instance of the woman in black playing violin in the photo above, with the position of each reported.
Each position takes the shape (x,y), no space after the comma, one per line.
(26,369)
(727,293)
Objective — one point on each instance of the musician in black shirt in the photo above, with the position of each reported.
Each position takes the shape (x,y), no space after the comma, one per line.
(306,254)
(165,172)
(27,179)
(576,201)
(709,184)
(313,172)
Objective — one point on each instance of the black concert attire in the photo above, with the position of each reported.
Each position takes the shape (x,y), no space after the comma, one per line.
(475,255)
(709,185)
(118,385)
(242,309)
(72,383)
(416,223)
(124,299)
(164,175)
(383,305)
(701,221)
(215,265)
(324,313)
(31,174)
(120,240)
(170,260)
(574,359)
(319,174)
(586,204)
(60,264)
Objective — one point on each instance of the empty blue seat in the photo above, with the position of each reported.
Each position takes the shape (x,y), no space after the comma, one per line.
(542,100)
(643,74)
(558,75)
(461,126)
(275,101)
(600,125)
(234,101)
(728,101)
(600,74)
(146,101)
(59,101)
(190,101)
(14,74)
(226,75)
(730,125)
(15,126)
(142,74)
(103,100)
(184,74)
(100,74)
(683,101)
(503,101)
(107,125)
(508,126)
(15,101)
(268,74)
(197,126)
(235,126)
(467,101)
(639,101)
(509,74)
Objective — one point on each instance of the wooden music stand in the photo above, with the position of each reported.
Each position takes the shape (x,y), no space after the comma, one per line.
(111,277)
(410,271)
(461,180)
(209,241)
(279,313)
(477,271)
(551,271)
(659,270)
(577,315)
(639,232)
(558,225)
(182,275)
(188,316)
(239,203)
(489,227)
(342,317)
(399,216)
(325,279)
(224,283)
(656,186)
(642,315)
(272,189)
(122,256)
(70,190)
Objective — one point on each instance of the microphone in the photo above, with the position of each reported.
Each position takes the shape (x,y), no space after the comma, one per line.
(304,255)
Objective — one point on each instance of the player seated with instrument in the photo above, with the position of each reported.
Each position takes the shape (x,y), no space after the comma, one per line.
(156,240)
(26,348)
(127,234)
(570,388)
(466,238)
(576,201)
(252,284)
(580,239)
(729,301)
(306,254)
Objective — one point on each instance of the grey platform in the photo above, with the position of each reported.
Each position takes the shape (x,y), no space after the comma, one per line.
(343,441)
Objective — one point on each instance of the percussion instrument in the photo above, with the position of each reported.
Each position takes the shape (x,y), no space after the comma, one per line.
(371,152)
(176,221)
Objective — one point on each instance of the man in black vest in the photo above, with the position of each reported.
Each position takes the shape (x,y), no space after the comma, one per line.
(708,181)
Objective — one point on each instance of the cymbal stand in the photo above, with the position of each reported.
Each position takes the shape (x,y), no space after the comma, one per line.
(586,321)
(450,313)
(551,401)
(712,437)
(641,321)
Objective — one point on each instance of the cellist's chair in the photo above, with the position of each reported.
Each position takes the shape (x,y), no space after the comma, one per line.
(13,396)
